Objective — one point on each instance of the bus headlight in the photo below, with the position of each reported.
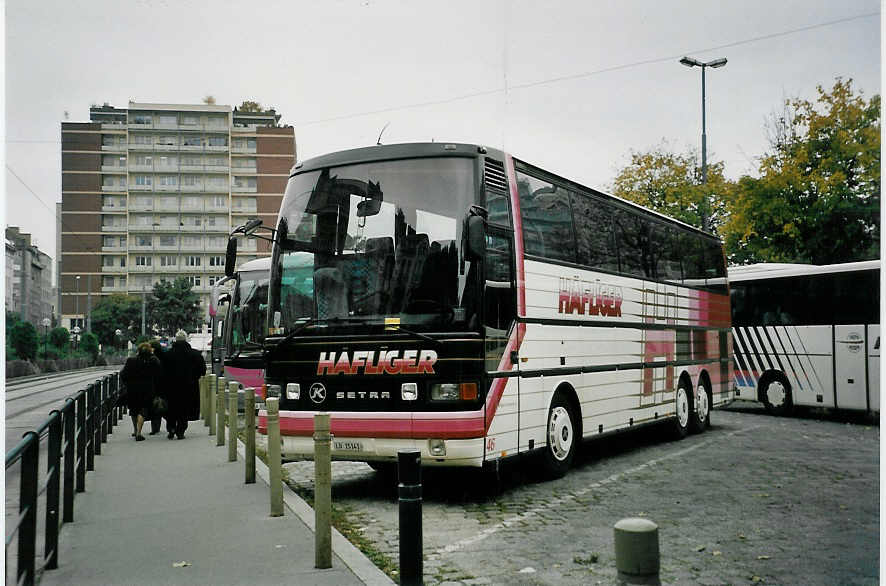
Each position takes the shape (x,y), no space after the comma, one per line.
(273,391)
(409,391)
(454,392)
(293,391)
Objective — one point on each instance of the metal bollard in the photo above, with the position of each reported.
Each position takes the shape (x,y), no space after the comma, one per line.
(636,551)
(232,421)
(409,491)
(249,408)
(272,405)
(210,400)
(322,492)
(220,412)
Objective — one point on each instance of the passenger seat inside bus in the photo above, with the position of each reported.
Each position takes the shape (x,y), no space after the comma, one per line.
(379,255)
(331,293)
(411,253)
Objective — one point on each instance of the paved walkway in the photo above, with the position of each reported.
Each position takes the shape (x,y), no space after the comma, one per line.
(151,505)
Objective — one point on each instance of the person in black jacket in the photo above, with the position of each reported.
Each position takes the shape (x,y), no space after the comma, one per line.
(156,416)
(185,366)
(141,375)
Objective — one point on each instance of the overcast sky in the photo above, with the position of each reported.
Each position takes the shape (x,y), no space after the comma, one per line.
(571,86)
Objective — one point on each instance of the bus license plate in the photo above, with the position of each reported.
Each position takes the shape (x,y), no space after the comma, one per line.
(347,446)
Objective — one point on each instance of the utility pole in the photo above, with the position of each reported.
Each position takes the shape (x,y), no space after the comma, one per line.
(88,303)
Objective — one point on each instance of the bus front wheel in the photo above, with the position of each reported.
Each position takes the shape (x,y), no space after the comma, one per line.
(775,393)
(561,438)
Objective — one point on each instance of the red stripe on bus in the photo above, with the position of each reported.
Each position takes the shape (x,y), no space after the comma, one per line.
(406,425)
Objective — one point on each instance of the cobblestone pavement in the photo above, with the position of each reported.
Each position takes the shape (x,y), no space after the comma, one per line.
(754,500)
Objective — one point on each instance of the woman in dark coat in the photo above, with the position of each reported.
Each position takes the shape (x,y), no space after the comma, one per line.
(141,375)
(184,367)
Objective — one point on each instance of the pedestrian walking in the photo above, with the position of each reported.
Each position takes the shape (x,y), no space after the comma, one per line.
(157,410)
(141,375)
(185,367)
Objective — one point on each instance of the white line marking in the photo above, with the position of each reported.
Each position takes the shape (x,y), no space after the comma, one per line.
(452,547)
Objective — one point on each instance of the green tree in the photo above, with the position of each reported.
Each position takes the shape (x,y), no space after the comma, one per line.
(89,344)
(60,338)
(817,197)
(24,340)
(669,183)
(173,306)
(123,312)
(250,106)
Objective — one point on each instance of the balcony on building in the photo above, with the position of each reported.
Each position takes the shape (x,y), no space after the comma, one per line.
(113,269)
(114,289)
(114,228)
(116,147)
(113,169)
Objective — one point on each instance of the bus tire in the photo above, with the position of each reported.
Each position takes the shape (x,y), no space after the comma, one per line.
(775,393)
(561,436)
(700,418)
(683,404)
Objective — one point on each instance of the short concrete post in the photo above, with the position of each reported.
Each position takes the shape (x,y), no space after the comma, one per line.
(220,411)
(272,406)
(322,492)
(233,420)
(249,411)
(636,551)
(210,400)
(202,387)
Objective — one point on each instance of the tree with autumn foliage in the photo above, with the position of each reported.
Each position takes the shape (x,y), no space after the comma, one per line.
(817,197)
(670,183)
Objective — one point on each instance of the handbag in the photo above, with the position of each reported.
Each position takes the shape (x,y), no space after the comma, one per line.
(159,406)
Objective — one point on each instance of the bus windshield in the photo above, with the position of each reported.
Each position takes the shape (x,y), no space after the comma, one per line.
(374,243)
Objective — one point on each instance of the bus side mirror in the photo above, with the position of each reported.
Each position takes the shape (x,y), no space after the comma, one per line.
(230,257)
(476,238)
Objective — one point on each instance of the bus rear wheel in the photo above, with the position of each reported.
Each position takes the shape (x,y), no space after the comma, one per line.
(561,436)
(776,395)
(699,421)
(684,411)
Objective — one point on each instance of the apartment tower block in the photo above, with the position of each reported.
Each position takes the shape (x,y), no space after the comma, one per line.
(151,192)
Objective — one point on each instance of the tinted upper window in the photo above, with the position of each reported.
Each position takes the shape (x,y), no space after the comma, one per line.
(593,232)
(547,219)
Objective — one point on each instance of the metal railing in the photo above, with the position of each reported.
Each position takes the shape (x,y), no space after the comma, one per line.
(75,436)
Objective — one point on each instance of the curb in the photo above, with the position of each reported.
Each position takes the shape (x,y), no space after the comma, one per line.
(353,558)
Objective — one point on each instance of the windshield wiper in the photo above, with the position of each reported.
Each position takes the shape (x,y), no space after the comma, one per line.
(400,328)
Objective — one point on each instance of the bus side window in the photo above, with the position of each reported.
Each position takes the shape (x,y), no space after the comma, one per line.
(594,233)
(547,219)
(632,240)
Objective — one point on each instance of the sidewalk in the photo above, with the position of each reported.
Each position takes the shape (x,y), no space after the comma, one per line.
(151,505)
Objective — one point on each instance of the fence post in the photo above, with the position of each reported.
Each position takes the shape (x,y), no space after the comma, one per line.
(272,405)
(70,463)
(220,412)
(53,481)
(27,532)
(112,404)
(636,551)
(210,400)
(81,441)
(104,410)
(249,412)
(233,421)
(90,428)
(409,491)
(97,416)
(322,492)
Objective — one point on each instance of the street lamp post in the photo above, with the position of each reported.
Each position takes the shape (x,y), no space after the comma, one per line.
(76,332)
(692,62)
(46,323)
(77,297)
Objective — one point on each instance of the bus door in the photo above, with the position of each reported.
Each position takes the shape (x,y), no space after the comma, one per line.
(850,367)
(874,366)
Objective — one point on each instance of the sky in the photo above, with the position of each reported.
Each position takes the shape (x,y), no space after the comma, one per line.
(572,86)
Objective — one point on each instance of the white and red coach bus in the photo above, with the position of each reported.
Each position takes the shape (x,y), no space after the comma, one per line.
(475,307)
(807,335)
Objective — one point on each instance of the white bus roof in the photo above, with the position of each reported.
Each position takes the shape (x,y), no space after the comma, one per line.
(775,270)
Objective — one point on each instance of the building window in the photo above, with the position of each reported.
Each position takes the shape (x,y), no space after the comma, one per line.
(192,241)
(189,120)
(192,141)
(167,260)
(143,240)
(217,141)
(167,241)
(141,119)
(167,119)
(143,261)
(193,280)
(216,161)
(141,139)
(167,180)
(143,160)
(142,179)
(216,261)
(192,261)
(216,242)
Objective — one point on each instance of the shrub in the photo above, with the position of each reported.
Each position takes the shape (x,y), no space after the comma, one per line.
(16,368)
